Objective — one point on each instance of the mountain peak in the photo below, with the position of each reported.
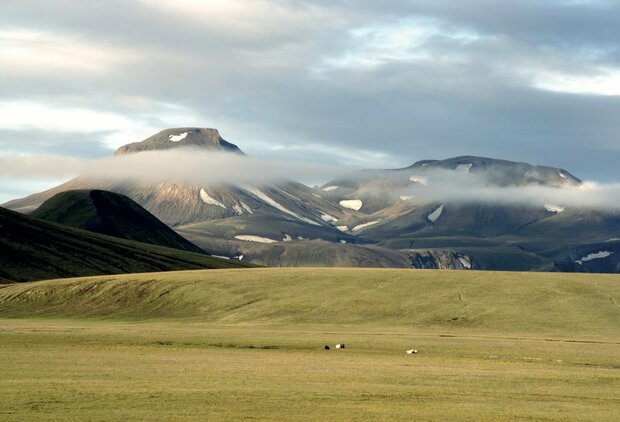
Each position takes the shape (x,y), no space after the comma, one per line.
(181,137)
(504,172)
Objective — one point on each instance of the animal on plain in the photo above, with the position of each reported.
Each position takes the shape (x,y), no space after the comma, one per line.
(412,351)
(340,346)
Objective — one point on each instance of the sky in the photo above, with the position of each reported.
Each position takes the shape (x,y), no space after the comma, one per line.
(366,84)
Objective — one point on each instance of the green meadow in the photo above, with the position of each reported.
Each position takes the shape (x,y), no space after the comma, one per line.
(249,344)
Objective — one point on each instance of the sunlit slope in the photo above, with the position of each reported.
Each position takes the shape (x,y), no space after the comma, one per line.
(563,304)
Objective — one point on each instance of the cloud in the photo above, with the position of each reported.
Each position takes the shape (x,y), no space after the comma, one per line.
(176,166)
(195,167)
(360,83)
(40,166)
(66,144)
(498,187)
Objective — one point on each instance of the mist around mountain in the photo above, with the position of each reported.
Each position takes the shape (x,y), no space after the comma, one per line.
(459,213)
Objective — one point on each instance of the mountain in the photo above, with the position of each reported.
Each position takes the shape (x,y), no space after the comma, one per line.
(398,209)
(34,249)
(181,137)
(110,214)
(432,214)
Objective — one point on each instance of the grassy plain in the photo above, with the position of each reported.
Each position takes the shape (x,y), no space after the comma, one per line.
(248,344)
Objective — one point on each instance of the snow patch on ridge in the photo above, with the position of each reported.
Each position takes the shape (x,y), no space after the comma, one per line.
(418,179)
(434,216)
(465,262)
(177,138)
(210,200)
(327,218)
(343,228)
(352,204)
(251,238)
(593,256)
(247,208)
(464,168)
(363,226)
(329,188)
(554,208)
(238,209)
(261,195)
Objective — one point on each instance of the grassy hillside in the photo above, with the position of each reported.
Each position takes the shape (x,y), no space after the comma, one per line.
(235,345)
(111,214)
(543,303)
(33,249)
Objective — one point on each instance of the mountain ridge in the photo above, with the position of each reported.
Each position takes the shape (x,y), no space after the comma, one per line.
(184,137)
(379,214)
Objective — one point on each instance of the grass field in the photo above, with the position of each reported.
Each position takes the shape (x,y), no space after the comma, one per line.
(248,344)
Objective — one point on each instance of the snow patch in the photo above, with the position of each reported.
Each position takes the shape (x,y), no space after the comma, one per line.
(220,256)
(210,200)
(406,197)
(329,188)
(238,209)
(419,179)
(287,237)
(562,175)
(343,241)
(261,195)
(327,218)
(593,256)
(352,204)
(465,262)
(363,226)
(239,257)
(435,214)
(177,138)
(554,208)
(251,238)
(318,196)
(343,228)
(464,168)
(247,208)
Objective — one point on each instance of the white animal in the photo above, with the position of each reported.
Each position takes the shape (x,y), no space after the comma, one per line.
(340,346)
(412,351)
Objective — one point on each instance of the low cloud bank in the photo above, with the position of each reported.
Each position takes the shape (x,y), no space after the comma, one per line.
(177,166)
(587,195)
(494,186)
(211,168)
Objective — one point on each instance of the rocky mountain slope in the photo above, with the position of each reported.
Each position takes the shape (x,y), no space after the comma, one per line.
(461,213)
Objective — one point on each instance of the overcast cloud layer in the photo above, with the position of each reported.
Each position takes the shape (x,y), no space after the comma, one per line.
(360,82)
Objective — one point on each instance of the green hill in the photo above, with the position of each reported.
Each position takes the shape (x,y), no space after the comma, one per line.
(33,249)
(512,302)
